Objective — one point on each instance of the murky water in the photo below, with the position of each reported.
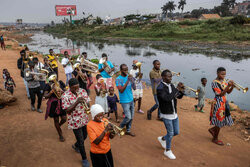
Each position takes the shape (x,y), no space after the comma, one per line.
(192,66)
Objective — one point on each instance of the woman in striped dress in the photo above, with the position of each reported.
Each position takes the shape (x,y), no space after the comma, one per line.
(220,114)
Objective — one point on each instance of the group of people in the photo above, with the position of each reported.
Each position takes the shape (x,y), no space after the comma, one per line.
(70,102)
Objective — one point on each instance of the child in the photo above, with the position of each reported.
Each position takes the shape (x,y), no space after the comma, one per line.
(220,114)
(112,100)
(4,76)
(100,132)
(201,95)
(101,93)
(9,83)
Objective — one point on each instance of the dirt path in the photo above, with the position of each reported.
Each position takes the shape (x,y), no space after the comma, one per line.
(27,140)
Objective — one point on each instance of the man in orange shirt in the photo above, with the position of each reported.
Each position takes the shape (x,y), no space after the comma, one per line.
(99,134)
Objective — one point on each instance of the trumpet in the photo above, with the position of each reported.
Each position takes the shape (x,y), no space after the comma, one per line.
(193,90)
(85,107)
(55,86)
(173,73)
(239,87)
(118,131)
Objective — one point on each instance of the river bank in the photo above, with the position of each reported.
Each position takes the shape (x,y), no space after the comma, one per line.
(211,37)
(28,140)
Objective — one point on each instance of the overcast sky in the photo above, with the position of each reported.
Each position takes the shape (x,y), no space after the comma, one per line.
(43,11)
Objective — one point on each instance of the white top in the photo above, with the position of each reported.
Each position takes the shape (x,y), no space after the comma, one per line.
(137,80)
(169,116)
(39,66)
(68,69)
(79,58)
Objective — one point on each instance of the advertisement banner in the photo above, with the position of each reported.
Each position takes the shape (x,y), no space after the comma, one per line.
(66,10)
(71,52)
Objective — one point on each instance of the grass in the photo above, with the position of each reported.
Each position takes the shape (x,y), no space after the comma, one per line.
(207,30)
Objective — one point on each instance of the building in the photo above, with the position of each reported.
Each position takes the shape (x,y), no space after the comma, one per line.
(209,16)
(242,8)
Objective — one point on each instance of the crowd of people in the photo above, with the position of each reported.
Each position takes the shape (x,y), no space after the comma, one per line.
(70,101)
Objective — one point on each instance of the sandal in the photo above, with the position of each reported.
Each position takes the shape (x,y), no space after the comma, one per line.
(219,142)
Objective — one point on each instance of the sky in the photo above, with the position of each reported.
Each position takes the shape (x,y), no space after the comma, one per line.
(43,11)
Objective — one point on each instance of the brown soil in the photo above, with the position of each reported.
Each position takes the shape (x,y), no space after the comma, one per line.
(27,140)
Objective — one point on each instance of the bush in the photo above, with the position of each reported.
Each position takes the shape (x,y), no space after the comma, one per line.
(239,19)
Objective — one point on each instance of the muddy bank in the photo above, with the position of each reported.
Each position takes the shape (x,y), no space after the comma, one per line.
(234,50)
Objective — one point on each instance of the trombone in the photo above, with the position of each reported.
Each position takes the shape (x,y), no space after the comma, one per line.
(239,87)
(118,131)
(173,72)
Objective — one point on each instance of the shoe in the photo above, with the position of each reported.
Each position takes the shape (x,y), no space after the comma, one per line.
(76,148)
(162,142)
(39,110)
(61,138)
(169,154)
(201,111)
(130,134)
(196,109)
(140,111)
(85,163)
(33,108)
(1,106)
(149,115)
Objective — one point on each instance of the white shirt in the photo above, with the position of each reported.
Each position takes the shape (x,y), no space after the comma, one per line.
(137,80)
(68,69)
(39,66)
(169,116)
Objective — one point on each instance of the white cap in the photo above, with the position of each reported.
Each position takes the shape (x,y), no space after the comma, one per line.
(95,110)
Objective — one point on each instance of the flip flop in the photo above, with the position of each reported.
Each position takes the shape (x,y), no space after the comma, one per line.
(219,142)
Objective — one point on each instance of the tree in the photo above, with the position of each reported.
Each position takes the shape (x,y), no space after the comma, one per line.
(169,6)
(99,20)
(181,5)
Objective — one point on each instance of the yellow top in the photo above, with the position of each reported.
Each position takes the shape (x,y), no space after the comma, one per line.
(53,61)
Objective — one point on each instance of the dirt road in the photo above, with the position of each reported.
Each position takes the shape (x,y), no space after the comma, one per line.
(27,140)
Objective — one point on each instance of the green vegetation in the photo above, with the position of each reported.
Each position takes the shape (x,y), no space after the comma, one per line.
(226,29)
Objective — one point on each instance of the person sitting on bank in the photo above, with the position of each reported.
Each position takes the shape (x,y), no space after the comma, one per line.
(99,133)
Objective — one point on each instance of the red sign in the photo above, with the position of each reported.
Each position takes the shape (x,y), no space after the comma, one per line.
(66,10)
(71,52)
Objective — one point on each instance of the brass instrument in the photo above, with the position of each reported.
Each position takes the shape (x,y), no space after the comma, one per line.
(103,92)
(173,73)
(103,61)
(56,86)
(89,66)
(44,77)
(189,88)
(85,107)
(239,87)
(118,131)
(138,64)
(37,75)
(76,66)
(50,61)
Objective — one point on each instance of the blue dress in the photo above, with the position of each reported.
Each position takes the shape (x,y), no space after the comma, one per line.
(112,100)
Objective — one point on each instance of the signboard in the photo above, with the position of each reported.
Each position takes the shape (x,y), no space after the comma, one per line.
(71,52)
(66,10)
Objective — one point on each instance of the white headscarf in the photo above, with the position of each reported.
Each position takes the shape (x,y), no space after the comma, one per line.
(95,110)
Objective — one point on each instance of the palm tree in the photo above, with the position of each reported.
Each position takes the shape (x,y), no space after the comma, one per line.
(169,6)
(181,5)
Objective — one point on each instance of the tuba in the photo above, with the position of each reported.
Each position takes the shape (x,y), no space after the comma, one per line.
(118,131)
(89,66)
(55,86)
(103,61)
(138,64)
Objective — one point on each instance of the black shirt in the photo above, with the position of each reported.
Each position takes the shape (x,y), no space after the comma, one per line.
(48,87)
(82,84)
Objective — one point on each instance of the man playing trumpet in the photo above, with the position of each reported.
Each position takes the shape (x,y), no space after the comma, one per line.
(167,95)
(72,103)
(99,134)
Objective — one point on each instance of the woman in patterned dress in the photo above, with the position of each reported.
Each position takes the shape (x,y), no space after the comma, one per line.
(220,114)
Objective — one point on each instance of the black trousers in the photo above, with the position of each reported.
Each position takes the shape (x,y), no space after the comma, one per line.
(102,160)
(81,135)
(33,92)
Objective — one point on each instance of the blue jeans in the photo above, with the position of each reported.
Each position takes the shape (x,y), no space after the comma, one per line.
(128,109)
(68,77)
(26,86)
(172,127)
(156,106)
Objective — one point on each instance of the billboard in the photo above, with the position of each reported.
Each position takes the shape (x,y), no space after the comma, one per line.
(66,10)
